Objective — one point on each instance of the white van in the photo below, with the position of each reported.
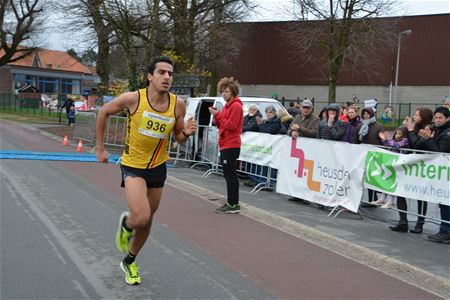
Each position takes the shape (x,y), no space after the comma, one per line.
(198,108)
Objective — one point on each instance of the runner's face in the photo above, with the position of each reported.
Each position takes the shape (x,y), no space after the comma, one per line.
(162,77)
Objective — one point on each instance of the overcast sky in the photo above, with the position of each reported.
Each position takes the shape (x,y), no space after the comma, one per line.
(269,10)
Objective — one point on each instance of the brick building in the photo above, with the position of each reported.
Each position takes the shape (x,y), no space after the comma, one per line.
(49,72)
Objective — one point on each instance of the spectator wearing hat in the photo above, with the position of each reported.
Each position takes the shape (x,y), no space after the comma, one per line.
(331,128)
(305,124)
(438,139)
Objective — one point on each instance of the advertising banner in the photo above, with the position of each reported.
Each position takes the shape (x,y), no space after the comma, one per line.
(415,176)
(325,172)
(261,148)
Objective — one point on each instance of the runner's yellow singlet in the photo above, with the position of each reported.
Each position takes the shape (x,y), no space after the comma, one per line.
(148,133)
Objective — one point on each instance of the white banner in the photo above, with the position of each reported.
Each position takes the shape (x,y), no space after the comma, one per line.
(261,148)
(415,176)
(326,172)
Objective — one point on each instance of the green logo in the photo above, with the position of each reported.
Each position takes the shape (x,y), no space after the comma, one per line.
(380,171)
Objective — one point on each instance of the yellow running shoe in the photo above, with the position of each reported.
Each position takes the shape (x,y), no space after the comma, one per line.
(131,273)
(123,236)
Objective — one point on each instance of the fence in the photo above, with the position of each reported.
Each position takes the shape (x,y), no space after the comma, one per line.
(35,104)
(400,110)
(85,127)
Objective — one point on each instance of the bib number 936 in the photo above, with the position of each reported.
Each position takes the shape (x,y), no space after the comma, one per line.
(156,126)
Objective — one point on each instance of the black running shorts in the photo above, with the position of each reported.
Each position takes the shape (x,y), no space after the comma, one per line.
(154,178)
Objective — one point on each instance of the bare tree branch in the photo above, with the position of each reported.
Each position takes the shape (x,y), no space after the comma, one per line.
(19,22)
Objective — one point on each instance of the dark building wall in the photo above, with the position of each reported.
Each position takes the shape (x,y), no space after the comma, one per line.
(266,57)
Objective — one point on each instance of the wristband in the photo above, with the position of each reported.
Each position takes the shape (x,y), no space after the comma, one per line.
(184,133)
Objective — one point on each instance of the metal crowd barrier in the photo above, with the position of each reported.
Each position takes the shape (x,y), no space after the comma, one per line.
(85,127)
(115,131)
(203,150)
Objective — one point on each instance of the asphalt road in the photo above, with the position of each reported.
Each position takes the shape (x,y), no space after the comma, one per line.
(57,228)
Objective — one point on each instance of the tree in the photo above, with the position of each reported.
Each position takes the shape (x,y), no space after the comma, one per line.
(89,13)
(20,20)
(348,34)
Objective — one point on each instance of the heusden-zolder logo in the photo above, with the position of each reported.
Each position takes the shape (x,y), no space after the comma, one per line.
(304,164)
(380,170)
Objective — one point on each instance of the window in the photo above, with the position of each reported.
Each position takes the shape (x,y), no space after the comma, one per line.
(49,85)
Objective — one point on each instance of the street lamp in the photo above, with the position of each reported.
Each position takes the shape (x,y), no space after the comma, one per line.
(406,32)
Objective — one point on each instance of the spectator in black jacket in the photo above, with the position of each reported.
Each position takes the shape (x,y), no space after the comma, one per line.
(438,140)
(271,124)
(250,123)
(331,128)
(422,118)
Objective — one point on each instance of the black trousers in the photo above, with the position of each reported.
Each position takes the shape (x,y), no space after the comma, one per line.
(228,159)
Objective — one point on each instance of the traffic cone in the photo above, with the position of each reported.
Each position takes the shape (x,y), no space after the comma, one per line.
(80,147)
(65,141)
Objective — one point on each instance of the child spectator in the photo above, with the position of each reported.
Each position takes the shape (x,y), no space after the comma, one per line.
(400,140)
(71,116)
(343,110)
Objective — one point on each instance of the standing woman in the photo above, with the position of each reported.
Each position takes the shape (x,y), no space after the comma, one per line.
(368,133)
(422,118)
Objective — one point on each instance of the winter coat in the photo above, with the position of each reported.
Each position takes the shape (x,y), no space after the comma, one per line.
(351,134)
(335,132)
(272,126)
(309,126)
(286,122)
(372,137)
(440,142)
(249,123)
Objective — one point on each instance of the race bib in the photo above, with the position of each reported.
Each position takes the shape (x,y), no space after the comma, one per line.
(155,125)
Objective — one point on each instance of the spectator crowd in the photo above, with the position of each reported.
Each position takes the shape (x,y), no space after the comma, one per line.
(426,131)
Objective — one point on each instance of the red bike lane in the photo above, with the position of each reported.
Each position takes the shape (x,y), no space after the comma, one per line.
(284,265)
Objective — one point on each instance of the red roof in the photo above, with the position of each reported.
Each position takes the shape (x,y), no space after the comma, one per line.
(51,59)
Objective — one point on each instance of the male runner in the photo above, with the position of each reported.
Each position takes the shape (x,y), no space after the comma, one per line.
(153,114)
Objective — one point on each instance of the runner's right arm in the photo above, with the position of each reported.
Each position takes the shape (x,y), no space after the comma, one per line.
(126,100)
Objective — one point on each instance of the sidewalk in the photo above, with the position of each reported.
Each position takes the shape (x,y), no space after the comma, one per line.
(372,232)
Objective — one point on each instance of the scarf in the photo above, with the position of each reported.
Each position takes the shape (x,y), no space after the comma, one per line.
(365,127)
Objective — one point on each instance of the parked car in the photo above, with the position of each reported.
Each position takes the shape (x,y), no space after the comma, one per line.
(198,108)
